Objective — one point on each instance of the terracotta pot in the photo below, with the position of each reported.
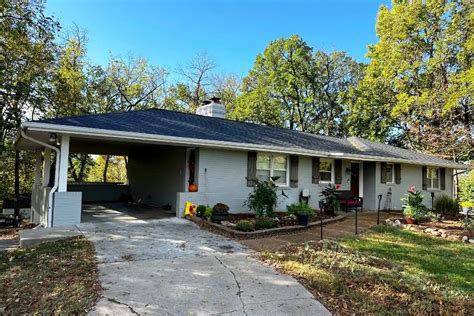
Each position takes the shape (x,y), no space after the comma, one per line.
(192,187)
(410,220)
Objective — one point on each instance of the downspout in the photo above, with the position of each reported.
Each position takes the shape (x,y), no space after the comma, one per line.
(56,174)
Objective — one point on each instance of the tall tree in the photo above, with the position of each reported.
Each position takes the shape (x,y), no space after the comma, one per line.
(292,86)
(26,54)
(197,74)
(418,87)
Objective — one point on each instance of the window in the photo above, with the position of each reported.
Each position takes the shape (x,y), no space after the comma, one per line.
(269,165)
(433,178)
(325,170)
(389,173)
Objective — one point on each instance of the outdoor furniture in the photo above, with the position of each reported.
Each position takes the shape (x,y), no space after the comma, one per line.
(349,202)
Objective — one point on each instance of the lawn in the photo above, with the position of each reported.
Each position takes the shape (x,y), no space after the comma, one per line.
(384,271)
(57,277)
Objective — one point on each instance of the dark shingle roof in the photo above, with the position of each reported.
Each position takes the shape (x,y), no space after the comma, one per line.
(178,124)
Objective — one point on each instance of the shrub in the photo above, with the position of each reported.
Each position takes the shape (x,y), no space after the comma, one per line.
(220,209)
(264,223)
(263,199)
(446,206)
(208,213)
(300,208)
(466,187)
(413,206)
(244,225)
(200,210)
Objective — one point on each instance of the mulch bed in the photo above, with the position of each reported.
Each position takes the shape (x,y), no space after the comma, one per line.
(286,228)
(283,219)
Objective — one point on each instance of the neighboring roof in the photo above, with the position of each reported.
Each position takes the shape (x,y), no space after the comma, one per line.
(210,130)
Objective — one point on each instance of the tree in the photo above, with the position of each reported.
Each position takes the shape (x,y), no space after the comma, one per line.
(136,84)
(418,87)
(27,51)
(292,86)
(197,75)
(227,88)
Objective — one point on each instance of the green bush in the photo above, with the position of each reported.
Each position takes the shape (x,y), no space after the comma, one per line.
(466,187)
(264,223)
(208,213)
(446,206)
(200,210)
(300,208)
(263,199)
(220,209)
(244,225)
(413,206)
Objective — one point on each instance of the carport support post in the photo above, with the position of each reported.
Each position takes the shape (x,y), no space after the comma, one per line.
(63,163)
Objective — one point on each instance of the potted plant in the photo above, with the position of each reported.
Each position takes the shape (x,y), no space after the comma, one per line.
(220,212)
(302,211)
(330,200)
(413,207)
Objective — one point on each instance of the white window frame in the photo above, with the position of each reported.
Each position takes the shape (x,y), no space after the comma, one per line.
(390,181)
(287,184)
(430,180)
(333,171)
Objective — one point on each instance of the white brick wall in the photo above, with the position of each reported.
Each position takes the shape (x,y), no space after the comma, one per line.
(67,208)
(222,179)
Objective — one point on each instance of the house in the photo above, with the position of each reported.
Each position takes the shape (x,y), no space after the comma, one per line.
(168,150)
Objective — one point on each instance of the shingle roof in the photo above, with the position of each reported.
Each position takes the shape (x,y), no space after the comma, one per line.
(186,125)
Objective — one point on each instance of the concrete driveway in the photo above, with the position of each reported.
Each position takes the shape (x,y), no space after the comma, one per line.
(172,267)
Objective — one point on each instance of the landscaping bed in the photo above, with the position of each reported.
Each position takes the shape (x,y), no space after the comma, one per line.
(53,278)
(449,229)
(230,231)
(384,271)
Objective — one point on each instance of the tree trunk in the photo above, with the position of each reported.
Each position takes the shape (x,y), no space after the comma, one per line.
(106,167)
(16,200)
(83,167)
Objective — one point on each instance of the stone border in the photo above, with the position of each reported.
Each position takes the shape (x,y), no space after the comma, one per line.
(264,232)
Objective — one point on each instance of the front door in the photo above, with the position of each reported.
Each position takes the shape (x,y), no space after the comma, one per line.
(355,179)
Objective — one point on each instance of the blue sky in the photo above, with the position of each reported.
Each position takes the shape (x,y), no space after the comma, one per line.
(169,33)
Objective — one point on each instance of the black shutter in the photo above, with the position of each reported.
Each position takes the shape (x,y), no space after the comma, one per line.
(251,168)
(338,171)
(294,171)
(398,173)
(424,174)
(383,172)
(442,175)
(315,170)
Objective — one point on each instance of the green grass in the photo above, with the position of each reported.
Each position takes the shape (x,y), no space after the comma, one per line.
(385,271)
(57,277)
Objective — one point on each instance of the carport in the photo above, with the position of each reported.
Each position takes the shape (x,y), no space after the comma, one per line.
(156,173)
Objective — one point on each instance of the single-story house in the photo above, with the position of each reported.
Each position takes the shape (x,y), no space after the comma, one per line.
(169,150)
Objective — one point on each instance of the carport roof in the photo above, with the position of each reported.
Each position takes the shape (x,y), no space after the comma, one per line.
(164,126)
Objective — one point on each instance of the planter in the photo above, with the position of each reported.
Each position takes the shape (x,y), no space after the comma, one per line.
(410,220)
(303,220)
(217,218)
(327,210)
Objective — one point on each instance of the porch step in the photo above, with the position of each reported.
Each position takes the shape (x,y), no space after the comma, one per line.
(32,237)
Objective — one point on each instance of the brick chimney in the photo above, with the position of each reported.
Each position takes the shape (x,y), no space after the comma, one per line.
(212,107)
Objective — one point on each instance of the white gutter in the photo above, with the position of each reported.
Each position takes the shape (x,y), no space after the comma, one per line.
(56,174)
(152,138)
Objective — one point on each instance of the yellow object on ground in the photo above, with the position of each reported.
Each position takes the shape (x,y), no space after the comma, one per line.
(189,209)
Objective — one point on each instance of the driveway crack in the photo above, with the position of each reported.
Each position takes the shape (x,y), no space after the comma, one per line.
(113,300)
(239,292)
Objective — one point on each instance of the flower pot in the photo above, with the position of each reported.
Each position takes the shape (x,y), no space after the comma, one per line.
(303,220)
(410,220)
(217,218)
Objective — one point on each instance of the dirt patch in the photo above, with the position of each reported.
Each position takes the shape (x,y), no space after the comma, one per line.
(12,232)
